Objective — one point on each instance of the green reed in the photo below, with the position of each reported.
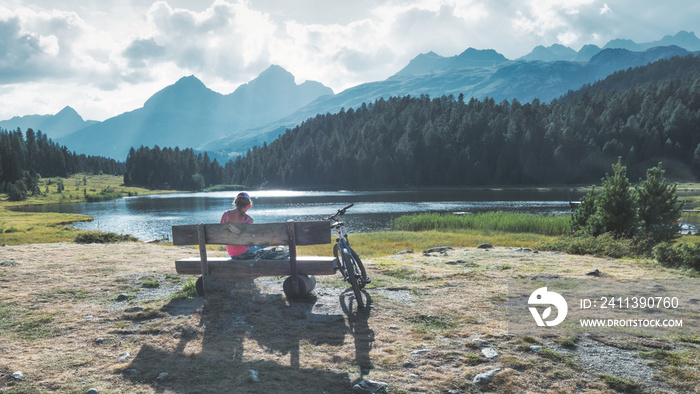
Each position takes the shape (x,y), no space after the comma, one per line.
(488,221)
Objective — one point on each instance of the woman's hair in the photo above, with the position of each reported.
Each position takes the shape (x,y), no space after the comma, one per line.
(242,200)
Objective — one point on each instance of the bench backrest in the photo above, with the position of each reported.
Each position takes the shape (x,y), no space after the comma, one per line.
(290,233)
(263,234)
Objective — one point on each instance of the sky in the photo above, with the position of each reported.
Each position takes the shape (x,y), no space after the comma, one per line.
(106,57)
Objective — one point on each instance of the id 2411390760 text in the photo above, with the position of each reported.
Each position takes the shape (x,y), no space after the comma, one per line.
(630,303)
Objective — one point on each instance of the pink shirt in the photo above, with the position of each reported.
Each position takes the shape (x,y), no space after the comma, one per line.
(235,250)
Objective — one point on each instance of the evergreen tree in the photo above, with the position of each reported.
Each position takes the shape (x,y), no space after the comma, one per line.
(616,207)
(16,191)
(11,164)
(31,179)
(581,218)
(696,159)
(659,208)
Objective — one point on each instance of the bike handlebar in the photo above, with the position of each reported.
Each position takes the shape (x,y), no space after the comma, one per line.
(340,212)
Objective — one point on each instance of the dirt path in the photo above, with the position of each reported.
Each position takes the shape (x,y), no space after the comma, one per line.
(74,317)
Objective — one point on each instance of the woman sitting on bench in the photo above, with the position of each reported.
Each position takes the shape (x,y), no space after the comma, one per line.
(243,203)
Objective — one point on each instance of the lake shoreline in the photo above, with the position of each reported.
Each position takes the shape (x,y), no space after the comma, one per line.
(150,217)
(11,210)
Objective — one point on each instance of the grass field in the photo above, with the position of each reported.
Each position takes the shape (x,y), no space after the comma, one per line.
(391,242)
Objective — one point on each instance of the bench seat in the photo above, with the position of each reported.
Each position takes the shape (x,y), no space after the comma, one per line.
(225,268)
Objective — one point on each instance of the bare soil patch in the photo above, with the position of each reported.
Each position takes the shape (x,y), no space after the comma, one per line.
(65,326)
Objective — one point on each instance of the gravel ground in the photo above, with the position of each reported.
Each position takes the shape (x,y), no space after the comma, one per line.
(418,332)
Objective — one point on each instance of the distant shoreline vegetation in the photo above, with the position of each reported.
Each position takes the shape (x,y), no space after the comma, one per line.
(27,159)
(108,194)
(225,188)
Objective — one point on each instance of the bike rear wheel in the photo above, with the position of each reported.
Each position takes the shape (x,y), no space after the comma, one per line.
(362,274)
(353,273)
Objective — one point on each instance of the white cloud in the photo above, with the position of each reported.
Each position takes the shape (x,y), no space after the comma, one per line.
(567,38)
(470,11)
(224,40)
(49,44)
(108,57)
(379,44)
(542,17)
(140,51)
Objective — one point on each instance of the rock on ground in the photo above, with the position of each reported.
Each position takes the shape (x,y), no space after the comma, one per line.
(369,386)
(486,377)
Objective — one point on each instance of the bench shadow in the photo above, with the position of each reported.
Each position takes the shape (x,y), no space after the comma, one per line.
(213,356)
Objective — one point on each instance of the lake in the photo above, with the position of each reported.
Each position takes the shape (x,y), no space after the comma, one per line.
(150,217)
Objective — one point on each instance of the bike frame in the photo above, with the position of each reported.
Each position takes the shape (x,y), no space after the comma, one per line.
(342,240)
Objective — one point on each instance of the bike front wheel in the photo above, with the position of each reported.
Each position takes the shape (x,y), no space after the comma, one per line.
(341,262)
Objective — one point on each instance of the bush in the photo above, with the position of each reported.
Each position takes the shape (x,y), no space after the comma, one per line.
(605,245)
(16,192)
(639,217)
(683,255)
(104,195)
(98,237)
(189,289)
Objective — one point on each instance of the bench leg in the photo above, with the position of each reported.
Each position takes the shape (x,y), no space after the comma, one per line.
(199,285)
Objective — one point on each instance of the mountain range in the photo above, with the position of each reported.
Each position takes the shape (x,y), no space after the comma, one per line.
(501,80)
(65,122)
(188,114)
(683,39)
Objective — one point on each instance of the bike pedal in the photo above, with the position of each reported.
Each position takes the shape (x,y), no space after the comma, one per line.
(368,280)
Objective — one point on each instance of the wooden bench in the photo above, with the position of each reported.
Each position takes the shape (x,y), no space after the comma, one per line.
(218,272)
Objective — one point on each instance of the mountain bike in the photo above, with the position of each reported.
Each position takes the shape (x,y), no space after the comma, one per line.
(349,263)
